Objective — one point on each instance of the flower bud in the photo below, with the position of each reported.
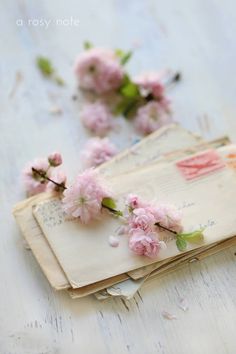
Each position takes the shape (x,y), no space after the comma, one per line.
(55,159)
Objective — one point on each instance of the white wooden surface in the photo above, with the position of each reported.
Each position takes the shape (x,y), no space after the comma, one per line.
(194,36)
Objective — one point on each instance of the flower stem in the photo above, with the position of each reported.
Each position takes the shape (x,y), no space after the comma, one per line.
(173,79)
(165,228)
(114,211)
(43,175)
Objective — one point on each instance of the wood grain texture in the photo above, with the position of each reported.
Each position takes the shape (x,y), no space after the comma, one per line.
(194,36)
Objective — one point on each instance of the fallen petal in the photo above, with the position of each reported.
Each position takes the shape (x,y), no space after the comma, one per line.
(183,305)
(113,241)
(122,230)
(55,110)
(168,315)
(162,245)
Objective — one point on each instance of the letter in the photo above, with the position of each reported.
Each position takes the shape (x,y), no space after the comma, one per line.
(66,22)
(47,23)
(59,22)
(35,22)
(19,22)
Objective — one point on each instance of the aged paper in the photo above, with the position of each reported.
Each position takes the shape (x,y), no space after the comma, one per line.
(229,157)
(128,288)
(92,288)
(80,249)
(163,141)
(38,243)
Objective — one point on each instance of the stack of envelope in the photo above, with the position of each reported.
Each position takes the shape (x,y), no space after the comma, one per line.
(171,165)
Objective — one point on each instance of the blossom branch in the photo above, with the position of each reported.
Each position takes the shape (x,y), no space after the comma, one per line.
(172,80)
(166,228)
(175,78)
(45,177)
(107,203)
(182,238)
(114,211)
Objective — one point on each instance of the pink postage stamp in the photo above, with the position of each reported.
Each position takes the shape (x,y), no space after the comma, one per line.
(201,164)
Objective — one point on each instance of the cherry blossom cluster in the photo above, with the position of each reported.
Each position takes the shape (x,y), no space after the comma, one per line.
(86,197)
(98,151)
(89,195)
(43,174)
(146,223)
(83,199)
(100,72)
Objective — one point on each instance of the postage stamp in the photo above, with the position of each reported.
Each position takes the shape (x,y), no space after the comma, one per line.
(201,164)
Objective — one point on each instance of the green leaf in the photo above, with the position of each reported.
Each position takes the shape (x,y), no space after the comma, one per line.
(131,108)
(193,237)
(120,107)
(45,66)
(59,81)
(124,56)
(87,45)
(47,69)
(118,212)
(119,53)
(181,243)
(127,107)
(109,203)
(126,80)
(130,90)
(130,98)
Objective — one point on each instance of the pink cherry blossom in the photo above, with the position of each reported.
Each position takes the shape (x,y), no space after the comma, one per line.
(144,244)
(33,182)
(98,151)
(57,176)
(169,216)
(55,159)
(84,198)
(133,201)
(141,219)
(151,82)
(150,117)
(99,70)
(97,118)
